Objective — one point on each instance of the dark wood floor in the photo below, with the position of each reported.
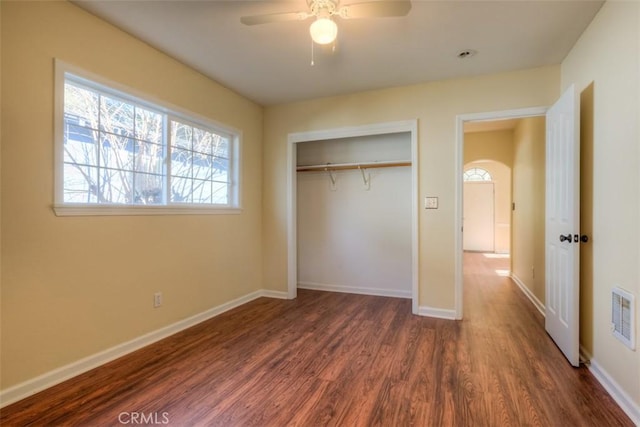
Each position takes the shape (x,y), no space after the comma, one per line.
(340,359)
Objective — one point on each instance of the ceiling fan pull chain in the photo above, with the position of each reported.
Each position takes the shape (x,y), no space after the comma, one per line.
(312,61)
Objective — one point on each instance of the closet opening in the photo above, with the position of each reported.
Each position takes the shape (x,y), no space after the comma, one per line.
(352,211)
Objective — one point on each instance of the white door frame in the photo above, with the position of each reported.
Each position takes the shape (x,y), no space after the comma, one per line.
(410,126)
(459,153)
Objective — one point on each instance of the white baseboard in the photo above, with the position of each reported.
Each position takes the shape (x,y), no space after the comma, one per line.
(439,313)
(534,299)
(51,378)
(623,400)
(396,293)
(422,311)
(274,294)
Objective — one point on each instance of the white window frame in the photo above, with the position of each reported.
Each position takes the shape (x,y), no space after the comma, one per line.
(62,70)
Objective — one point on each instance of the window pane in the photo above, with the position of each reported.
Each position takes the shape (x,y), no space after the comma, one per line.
(210,143)
(220,191)
(476,174)
(220,169)
(80,145)
(202,141)
(220,147)
(149,189)
(80,184)
(115,186)
(203,166)
(116,116)
(181,135)
(181,162)
(78,133)
(202,191)
(148,125)
(149,158)
(194,167)
(81,105)
(116,152)
(181,190)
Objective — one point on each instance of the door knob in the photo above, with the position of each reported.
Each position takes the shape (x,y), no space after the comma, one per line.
(584,238)
(565,238)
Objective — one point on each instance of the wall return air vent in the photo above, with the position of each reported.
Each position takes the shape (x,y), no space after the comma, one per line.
(623,316)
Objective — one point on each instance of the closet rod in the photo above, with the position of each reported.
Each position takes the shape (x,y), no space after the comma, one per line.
(345,166)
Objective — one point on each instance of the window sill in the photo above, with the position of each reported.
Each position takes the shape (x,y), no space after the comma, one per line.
(93,210)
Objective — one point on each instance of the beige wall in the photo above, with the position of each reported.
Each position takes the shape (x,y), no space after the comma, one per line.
(608,55)
(490,145)
(527,260)
(73,286)
(484,149)
(436,106)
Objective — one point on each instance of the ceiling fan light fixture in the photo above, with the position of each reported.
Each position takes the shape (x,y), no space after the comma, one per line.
(323,30)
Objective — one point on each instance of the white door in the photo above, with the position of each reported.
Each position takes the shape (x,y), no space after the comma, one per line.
(478,217)
(562,247)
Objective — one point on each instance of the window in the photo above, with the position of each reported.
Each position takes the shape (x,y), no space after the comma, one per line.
(476,174)
(130,156)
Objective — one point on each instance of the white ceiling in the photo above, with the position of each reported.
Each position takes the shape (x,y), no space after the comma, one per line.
(270,63)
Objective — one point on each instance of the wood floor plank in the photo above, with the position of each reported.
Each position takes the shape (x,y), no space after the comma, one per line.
(331,359)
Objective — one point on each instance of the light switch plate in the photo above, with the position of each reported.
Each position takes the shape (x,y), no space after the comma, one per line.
(431,203)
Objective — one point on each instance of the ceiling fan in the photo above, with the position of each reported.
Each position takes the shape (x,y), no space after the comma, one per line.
(324,30)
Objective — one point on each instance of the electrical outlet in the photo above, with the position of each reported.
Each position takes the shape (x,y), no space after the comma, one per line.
(157,299)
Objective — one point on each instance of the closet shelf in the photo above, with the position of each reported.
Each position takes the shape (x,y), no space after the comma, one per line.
(345,166)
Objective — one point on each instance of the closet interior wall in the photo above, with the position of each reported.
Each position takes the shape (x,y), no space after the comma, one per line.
(353,218)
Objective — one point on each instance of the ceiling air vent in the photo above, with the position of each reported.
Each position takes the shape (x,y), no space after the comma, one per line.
(623,316)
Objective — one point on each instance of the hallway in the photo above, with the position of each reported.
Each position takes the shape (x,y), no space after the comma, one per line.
(521,371)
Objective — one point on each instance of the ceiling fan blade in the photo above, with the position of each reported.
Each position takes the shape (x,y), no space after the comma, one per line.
(375,9)
(274,17)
